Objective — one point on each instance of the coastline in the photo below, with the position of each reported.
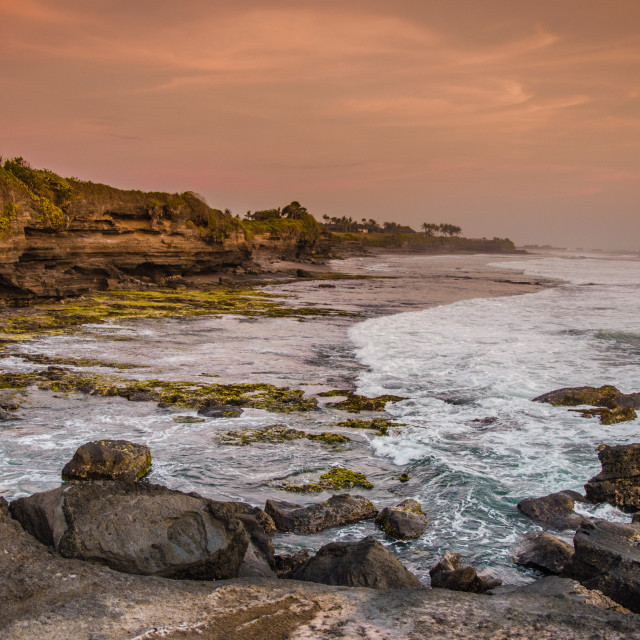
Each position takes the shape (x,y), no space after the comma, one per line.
(98,601)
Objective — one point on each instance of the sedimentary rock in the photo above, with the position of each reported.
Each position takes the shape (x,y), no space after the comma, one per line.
(448,574)
(571,590)
(607,558)
(108,460)
(619,481)
(365,563)
(555,510)
(135,528)
(288,562)
(339,509)
(405,521)
(544,552)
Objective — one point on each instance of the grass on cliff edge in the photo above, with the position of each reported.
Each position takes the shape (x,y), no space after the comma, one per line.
(60,317)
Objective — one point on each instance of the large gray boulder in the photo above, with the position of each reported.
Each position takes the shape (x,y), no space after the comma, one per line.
(619,481)
(405,521)
(108,460)
(337,510)
(554,511)
(544,552)
(607,558)
(136,528)
(448,574)
(364,563)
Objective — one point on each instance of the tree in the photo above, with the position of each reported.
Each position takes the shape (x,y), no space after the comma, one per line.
(430,228)
(294,211)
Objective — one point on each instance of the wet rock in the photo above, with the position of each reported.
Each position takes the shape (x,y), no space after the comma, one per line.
(555,510)
(405,521)
(636,518)
(286,563)
(615,406)
(619,481)
(605,396)
(365,563)
(334,479)
(222,411)
(448,574)
(108,460)
(339,509)
(607,558)
(571,590)
(255,565)
(544,552)
(135,528)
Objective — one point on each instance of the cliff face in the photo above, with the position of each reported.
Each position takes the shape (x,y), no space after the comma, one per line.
(61,237)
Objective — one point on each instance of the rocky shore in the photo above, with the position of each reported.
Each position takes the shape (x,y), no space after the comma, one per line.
(108,555)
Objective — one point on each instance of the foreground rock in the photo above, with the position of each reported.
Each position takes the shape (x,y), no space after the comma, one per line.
(448,574)
(556,587)
(619,481)
(555,510)
(365,563)
(337,510)
(135,528)
(544,552)
(109,460)
(405,521)
(48,597)
(607,558)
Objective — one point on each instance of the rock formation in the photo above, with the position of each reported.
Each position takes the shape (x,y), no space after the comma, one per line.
(405,521)
(555,510)
(448,574)
(544,552)
(619,481)
(339,509)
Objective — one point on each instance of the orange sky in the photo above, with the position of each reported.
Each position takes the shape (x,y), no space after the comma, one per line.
(507,117)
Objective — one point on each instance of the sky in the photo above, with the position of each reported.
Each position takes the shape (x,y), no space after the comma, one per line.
(509,118)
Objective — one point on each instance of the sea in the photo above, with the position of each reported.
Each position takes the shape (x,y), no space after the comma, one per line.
(472,441)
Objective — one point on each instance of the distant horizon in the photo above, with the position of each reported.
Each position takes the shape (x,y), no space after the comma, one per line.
(508,119)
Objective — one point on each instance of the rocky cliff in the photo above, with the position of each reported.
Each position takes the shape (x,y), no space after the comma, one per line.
(62,236)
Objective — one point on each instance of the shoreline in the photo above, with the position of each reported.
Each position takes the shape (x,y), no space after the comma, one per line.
(197,609)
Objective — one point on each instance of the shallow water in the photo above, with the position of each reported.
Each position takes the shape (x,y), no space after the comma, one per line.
(458,363)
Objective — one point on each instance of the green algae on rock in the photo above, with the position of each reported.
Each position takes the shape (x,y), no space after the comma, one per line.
(356,403)
(277,433)
(40,358)
(190,395)
(613,405)
(335,479)
(381,425)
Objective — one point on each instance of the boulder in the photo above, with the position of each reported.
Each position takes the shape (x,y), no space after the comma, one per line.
(286,563)
(619,481)
(136,528)
(337,510)
(636,518)
(405,521)
(448,574)
(544,552)
(221,411)
(108,460)
(364,563)
(607,558)
(605,396)
(555,510)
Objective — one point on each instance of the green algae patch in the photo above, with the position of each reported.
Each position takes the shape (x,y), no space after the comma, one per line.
(64,316)
(356,403)
(404,477)
(187,419)
(609,416)
(39,358)
(336,479)
(381,425)
(188,395)
(276,434)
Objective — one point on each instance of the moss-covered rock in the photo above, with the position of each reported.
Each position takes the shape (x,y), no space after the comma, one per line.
(191,395)
(405,521)
(277,433)
(335,479)
(356,403)
(381,425)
